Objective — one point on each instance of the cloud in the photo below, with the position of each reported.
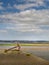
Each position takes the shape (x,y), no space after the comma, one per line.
(3,31)
(24,4)
(1,8)
(27,21)
(1,3)
(30,3)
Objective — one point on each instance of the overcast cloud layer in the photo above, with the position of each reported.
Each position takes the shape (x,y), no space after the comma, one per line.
(24,19)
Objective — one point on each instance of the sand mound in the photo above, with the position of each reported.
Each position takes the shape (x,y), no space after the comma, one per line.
(21,59)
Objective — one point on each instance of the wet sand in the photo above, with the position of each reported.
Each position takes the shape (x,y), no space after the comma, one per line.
(20,58)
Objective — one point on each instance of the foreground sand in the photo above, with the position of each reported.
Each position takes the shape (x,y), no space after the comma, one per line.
(20,58)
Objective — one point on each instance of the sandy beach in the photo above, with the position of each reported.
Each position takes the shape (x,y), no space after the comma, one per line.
(20,58)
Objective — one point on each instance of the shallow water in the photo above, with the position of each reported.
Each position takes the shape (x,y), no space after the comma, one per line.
(42,54)
(36,50)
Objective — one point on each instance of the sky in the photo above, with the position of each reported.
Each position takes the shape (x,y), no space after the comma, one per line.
(24,20)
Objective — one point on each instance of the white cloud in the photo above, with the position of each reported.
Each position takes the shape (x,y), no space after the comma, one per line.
(24,6)
(3,31)
(39,2)
(27,21)
(28,4)
(1,3)
(1,8)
